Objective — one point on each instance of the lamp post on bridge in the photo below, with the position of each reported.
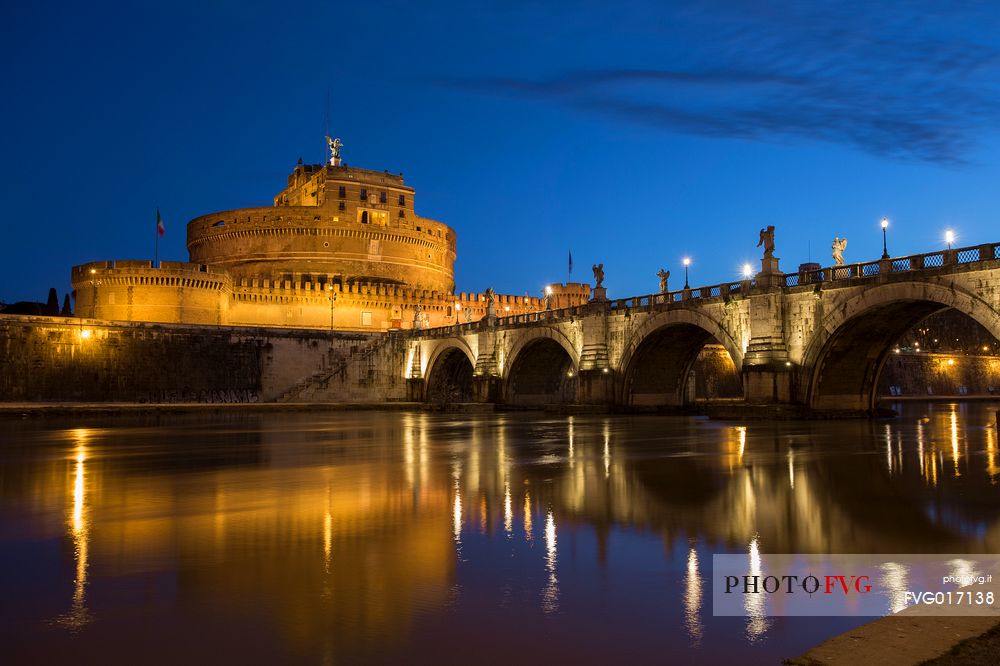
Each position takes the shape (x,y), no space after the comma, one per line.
(687,262)
(949,237)
(885,249)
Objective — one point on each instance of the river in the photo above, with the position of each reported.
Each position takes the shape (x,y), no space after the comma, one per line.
(373,537)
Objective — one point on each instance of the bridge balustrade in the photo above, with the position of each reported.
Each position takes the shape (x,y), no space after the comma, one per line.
(917,262)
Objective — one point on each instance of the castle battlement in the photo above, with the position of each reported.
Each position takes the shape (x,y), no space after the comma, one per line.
(341,247)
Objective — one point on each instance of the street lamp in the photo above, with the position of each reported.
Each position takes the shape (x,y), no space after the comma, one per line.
(687,262)
(333,300)
(885,250)
(458,308)
(747,271)
(949,237)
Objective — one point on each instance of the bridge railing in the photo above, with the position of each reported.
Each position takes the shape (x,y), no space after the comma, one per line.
(915,262)
(846,272)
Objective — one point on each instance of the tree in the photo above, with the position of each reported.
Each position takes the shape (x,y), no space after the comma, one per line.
(52,307)
(67,310)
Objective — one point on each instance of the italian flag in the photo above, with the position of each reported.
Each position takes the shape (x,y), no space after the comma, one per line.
(160,229)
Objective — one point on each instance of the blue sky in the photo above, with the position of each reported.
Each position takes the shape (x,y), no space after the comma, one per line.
(632,133)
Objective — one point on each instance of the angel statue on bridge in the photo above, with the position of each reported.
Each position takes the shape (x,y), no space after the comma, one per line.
(839,245)
(767,240)
(598,275)
(664,276)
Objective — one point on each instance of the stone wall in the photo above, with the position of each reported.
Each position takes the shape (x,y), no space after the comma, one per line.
(50,359)
(920,374)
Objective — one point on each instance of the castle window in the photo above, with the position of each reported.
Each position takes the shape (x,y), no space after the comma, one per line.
(340,206)
(364,194)
(419,229)
(366,318)
(364,217)
(402,200)
(402,213)
(342,191)
(220,223)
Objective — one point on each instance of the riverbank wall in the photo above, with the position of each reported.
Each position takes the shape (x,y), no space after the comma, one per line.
(68,359)
(909,374)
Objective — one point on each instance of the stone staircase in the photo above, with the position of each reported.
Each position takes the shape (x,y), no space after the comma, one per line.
(336,367)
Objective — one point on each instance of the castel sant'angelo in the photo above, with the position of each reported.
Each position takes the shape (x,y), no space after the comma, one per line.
(342,248)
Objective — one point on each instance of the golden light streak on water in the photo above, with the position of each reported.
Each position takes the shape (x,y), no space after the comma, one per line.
(757,622)
(954,442)
(327,540)
(482,514)
(791,469)
(550,595)
(743,442)
(888,448)
(920,449)
(894,579)
(991,455)
(508,510)
(692,598)
(528,536)
(572,461)
(607,450)
(79,529)
(409,458)
(456,514)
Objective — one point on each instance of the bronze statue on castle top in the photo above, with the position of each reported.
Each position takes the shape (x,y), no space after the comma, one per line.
(335,145)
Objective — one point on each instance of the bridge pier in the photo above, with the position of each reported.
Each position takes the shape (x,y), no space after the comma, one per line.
(768,383)
(595,387)
(486,389)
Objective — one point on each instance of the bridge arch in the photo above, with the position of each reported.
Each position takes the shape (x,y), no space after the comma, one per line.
(448,373)
(540,368)
(844,358)
(660,353)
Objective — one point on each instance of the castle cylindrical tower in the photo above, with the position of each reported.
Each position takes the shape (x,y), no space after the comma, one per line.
(331,225)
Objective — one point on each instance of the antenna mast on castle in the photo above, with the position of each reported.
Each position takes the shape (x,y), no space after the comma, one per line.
(326,120)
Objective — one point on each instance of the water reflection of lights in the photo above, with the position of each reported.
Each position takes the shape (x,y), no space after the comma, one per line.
(483,517)
(607,450)
(894,580)
(791,469)
(742,430)
(508,510)
(327,540)
(550,596)
(954,442)
(572,462)
(456,514)
(692,598)
(79,529)
(888,448)
(991,455)
(528,536)
(757,622)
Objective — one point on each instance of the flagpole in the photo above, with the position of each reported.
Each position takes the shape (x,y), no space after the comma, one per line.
(156,241)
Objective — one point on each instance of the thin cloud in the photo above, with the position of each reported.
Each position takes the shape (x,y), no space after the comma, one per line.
(915,89)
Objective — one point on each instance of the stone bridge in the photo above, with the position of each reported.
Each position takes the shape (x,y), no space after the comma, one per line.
(815,339)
